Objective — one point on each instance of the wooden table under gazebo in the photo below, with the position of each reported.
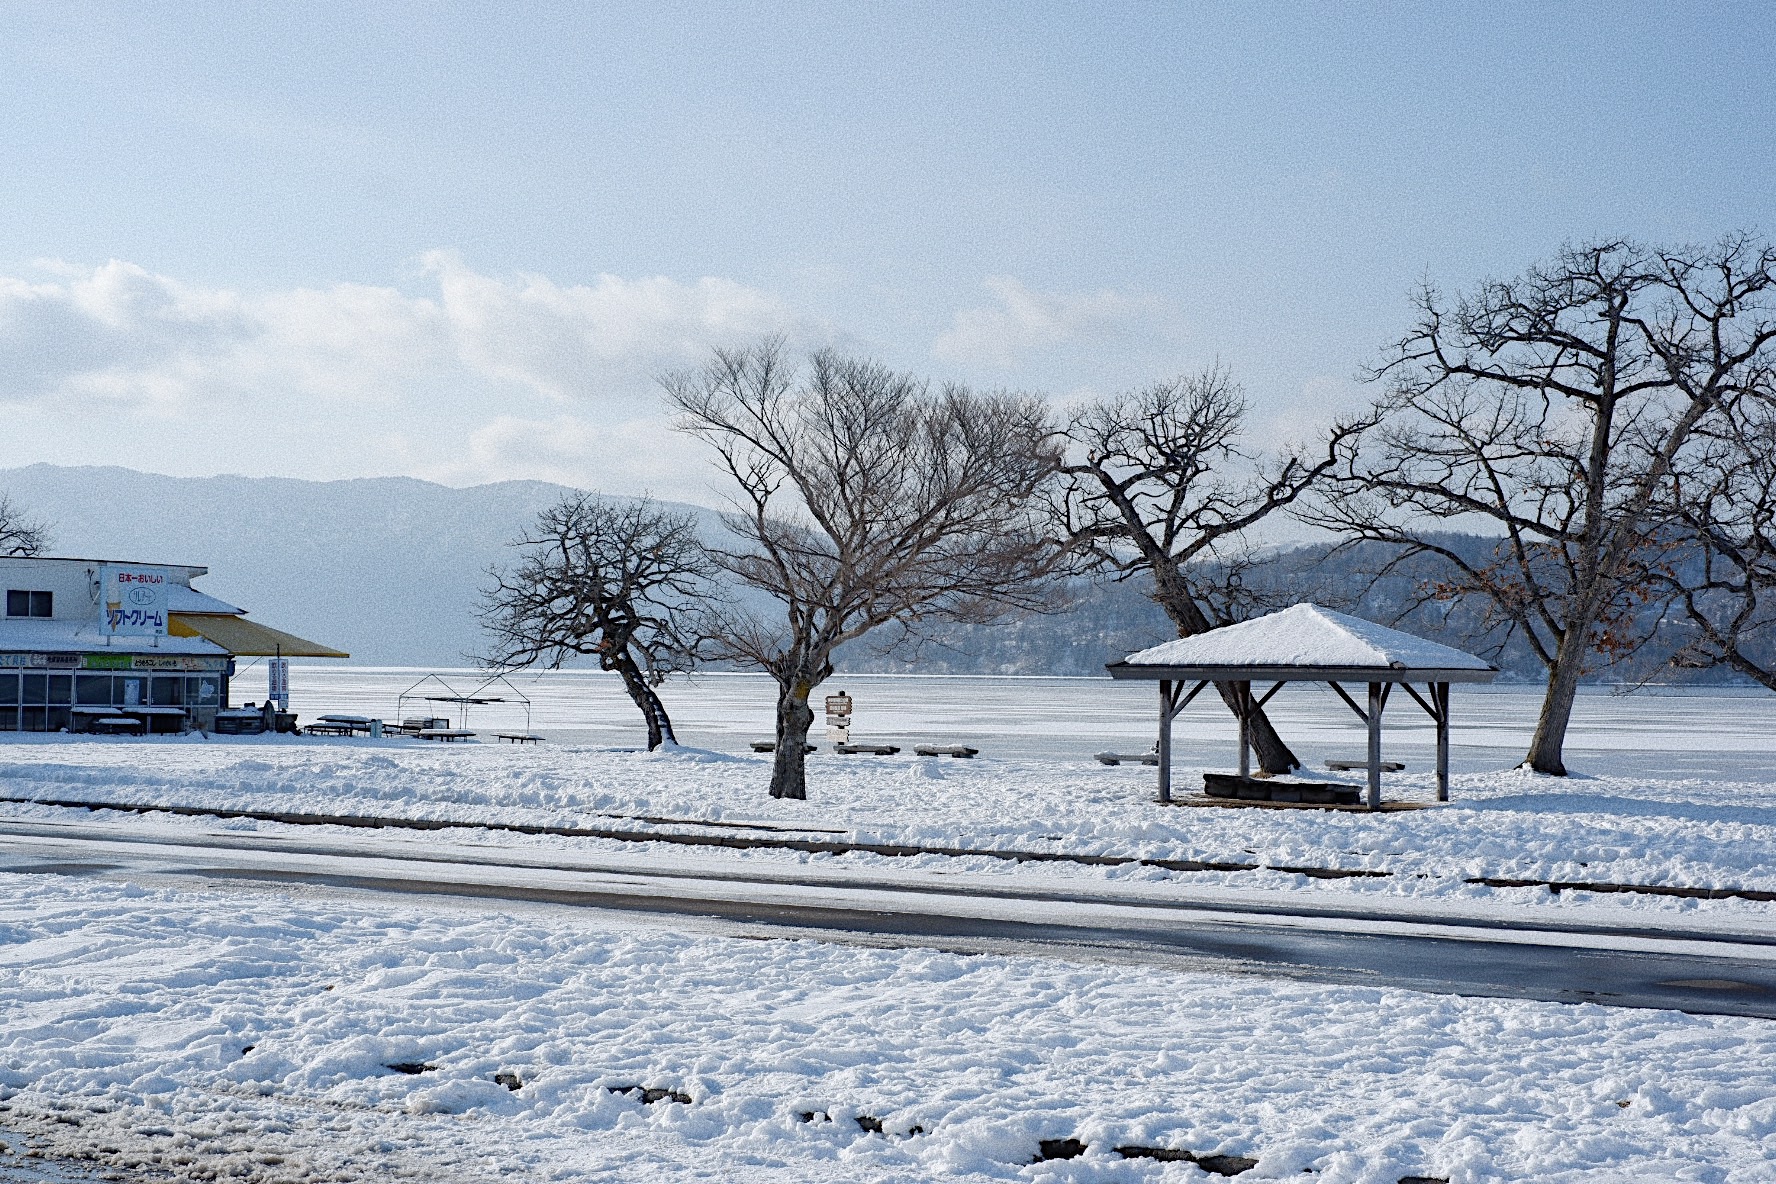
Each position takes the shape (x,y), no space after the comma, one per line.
(1305,643)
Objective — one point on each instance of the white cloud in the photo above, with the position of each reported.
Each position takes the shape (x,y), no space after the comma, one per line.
(563,341)
(641,455)
(478,378)
(1023,321)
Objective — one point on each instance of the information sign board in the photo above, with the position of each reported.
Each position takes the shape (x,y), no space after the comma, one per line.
(278,690)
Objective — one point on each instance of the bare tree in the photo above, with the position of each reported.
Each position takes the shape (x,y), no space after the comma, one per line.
(863,499)
(1721,578)
(1160,485)
(1552,409)
(19,536)
(622,582)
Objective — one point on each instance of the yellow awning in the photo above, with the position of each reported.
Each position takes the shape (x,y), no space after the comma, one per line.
(247,639)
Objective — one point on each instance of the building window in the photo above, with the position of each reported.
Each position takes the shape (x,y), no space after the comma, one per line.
(23,603)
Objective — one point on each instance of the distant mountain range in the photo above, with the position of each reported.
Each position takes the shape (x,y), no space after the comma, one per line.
(386,568)
(390,569)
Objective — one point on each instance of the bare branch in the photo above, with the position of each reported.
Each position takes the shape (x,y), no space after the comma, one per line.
(862,498)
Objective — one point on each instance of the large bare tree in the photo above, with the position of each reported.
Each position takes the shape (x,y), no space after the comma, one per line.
(19,536)
(1551,409)
(1160,485)
(1720,571)
(624,582)
(863,498)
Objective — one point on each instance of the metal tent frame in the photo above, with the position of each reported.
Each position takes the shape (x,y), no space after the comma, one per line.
(463,702)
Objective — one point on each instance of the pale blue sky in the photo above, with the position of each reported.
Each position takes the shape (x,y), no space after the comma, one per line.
(506,220)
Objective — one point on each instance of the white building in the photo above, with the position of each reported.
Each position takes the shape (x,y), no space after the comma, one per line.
(84,639)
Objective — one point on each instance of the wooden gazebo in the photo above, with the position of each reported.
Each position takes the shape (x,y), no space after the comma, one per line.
(1305,643)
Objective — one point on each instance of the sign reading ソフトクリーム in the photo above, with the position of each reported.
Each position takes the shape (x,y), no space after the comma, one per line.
(132,602)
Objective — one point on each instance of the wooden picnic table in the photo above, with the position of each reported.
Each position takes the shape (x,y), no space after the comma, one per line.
(518,737)
(445,734)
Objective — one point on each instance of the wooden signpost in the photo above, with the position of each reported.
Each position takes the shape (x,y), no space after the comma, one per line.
(838,718)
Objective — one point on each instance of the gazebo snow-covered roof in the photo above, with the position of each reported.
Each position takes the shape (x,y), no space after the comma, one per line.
(1305,643)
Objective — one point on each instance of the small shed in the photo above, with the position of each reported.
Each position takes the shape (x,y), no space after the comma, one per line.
(1305,643)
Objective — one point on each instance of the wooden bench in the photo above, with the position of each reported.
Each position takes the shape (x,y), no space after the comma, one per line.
(119,725)
(328,729)
(1133,758)
(445,734)
(866,749)
(955,750)
(1362,766)
(771,746)
(518,737)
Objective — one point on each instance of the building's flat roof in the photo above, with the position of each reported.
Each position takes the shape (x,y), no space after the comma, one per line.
(194,569)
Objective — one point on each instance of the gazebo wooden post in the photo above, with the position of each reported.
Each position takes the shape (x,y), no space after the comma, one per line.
(1167,708)
(1440,699)
(1374,721)
(1243,696)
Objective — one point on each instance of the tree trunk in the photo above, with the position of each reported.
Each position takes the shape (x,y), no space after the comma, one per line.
(1546,748)
(659,724)
(1274,756)
(789,776)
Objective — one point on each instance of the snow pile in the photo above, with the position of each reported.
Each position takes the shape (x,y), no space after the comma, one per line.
(253,1038)
(1308,635)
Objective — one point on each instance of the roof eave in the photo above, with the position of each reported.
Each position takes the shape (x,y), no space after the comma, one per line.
(1231,673)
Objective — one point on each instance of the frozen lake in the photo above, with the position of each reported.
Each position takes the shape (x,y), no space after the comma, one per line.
(1655,732)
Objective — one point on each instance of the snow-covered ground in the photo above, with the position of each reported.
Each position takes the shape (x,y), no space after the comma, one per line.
(251,1037)
(126,1013)
(1678,792)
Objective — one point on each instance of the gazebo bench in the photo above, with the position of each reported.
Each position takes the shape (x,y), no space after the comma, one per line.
(1252,789)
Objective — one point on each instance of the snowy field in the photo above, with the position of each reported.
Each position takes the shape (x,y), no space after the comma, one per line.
(249,1033)
(252,1037)
(1719,733)
(1675,790)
